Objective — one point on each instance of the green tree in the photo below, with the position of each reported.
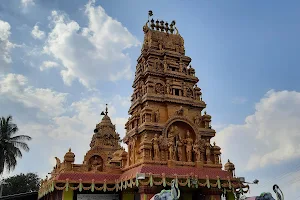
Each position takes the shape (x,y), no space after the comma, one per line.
(21,183)
(10,144)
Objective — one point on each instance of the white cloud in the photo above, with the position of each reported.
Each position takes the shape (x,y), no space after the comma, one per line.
(26,3)
(269,136)
(5,45)
(48,64)
(90,53)
(16,88)
(37,33)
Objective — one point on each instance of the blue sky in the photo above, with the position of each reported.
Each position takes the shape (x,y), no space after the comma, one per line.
(63,59)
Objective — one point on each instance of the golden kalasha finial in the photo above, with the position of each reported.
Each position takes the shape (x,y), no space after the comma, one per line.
(161,25)
(69,149)
(204,112)
(214,143)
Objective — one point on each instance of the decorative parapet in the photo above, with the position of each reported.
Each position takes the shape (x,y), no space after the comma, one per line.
(190,181)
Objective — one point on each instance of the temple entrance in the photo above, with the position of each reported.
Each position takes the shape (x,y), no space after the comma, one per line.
(97,196)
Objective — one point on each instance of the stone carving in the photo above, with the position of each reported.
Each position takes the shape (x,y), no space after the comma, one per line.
(173,132)
(156,116)
(189,92)
(202,148)
(171,150)
(155,142)
(58,163)
(159,88)
(197,120)
(180,111)
(97,163)
(168,87)
(179,146)
(207,151)
(189,145)
(196,149)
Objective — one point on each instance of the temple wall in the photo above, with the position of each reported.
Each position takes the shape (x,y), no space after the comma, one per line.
(68,195)
(128,196)
(230,196)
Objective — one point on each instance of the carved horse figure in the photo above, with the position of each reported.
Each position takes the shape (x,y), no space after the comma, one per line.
(172,194)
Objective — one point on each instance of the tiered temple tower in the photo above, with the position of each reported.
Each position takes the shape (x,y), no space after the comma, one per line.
(167,126)
(168,137)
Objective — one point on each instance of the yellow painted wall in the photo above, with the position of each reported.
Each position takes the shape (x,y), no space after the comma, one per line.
(68,195)
(128,196)
(230,196)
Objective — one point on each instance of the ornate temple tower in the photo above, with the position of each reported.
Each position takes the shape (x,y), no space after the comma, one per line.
(167,126)
(105,142)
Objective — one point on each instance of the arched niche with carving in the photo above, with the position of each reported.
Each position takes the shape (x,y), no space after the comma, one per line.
(181,133)
(96,163)
(182,119)
(95,160)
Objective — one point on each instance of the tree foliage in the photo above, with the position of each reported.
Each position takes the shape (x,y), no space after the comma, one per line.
(21,183)
(10,144)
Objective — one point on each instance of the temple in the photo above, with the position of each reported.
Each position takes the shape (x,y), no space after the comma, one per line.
(168,135)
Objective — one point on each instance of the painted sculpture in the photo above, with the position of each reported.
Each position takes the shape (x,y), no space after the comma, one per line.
(268,196)
(172,194)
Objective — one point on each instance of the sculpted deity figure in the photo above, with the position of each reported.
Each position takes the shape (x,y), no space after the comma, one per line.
(160,46)
(180,111)
(173,132)
(207,151)
(97,163)
(196,149)
(165,64)
(171,150)
(202,148)
(179,148)
(197,120)
(189,146)
(155,142)
(156,116)
(168,88)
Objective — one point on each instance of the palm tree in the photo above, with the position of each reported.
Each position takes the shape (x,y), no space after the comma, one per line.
(10,144)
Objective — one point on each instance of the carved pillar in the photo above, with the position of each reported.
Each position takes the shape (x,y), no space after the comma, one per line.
(146,147)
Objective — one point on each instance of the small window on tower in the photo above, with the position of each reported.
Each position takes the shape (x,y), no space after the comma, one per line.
(177,92)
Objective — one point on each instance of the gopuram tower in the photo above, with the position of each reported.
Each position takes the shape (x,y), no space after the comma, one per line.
(168,136)
(167,124)
(167,133)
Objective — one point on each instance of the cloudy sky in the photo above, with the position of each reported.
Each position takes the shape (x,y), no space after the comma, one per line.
(61,62)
